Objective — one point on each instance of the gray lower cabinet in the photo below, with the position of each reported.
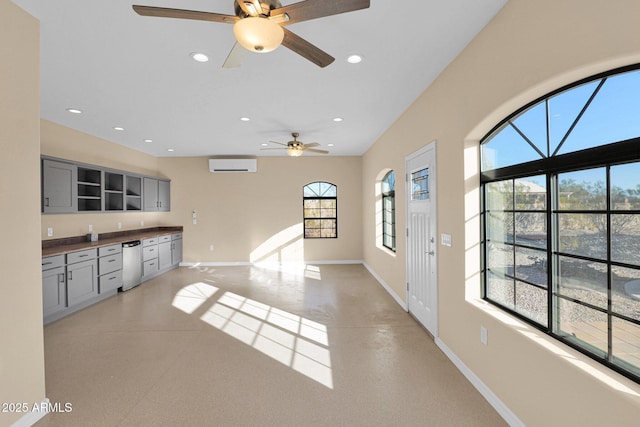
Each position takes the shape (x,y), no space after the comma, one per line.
(149,257)
(109,268)
(176,248)
(75,280)
(54,285)
(164,252)
(82,276)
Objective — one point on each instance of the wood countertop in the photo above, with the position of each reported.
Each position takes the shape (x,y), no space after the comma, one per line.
(78,243)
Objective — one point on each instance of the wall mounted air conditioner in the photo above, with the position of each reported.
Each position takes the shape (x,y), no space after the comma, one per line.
(233,165)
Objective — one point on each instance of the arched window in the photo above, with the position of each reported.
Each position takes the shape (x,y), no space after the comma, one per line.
(561,216)
(389,210)
(320,205)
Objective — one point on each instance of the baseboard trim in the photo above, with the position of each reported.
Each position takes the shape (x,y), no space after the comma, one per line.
(395,296)
(485,391)
(32,417)
(269,264)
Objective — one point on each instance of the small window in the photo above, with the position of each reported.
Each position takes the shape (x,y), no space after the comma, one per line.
(320,205)
(389,211)
(420,185)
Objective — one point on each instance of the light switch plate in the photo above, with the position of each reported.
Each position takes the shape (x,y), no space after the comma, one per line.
(445,239)
(49,231)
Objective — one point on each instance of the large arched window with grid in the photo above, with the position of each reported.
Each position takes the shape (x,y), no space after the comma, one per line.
(561,217)
(320,206)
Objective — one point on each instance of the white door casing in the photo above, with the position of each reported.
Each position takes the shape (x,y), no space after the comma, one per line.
(422,283)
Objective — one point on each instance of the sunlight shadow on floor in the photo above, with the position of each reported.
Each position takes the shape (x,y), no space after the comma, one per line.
(296,342)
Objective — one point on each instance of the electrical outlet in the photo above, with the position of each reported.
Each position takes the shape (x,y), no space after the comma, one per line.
(483,335)
(211,248)
(90,228)
(194,221)
(49,231)
(141,223)
(119,226)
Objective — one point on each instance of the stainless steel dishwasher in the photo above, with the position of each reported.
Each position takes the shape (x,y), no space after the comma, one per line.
(131,264)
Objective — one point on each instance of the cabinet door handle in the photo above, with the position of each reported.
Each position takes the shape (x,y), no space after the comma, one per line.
(47,263)
(83,255)
(46,201)
(112,260)
(61,278)
(70,275)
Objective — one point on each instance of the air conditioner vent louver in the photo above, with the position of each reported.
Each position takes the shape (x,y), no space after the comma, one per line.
(232,165)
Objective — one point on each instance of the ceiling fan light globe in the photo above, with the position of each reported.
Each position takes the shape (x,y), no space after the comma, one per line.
(258,34)
(294,152)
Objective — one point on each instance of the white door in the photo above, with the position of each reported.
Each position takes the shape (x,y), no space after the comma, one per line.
(422,285)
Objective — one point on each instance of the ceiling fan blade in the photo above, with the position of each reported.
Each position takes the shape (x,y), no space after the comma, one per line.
(279,143)
(313,144)
(306,49)
(165,12)
(315,150)
(235,57)
(312,9)
(274,149)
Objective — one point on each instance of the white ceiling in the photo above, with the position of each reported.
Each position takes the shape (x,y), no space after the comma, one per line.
(122,69)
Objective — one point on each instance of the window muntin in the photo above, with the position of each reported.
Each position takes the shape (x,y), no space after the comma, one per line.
(592,114)
(420,184)
(389,211)
(561,249)
(320,210)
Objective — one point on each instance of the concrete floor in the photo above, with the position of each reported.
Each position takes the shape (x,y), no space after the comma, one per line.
(249,346)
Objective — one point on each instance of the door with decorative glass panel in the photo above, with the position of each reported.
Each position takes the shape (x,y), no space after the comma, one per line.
(422,285)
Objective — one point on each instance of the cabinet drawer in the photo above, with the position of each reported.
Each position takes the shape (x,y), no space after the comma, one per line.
(149,242)
(150,252)
(52,262)
(110,250)
(149,267)
(166,238)
(176,236)
(78,256)
(108,264)
(109,282)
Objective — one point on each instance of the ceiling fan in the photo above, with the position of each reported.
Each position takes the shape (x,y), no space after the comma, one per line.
(295,148)
(259,25)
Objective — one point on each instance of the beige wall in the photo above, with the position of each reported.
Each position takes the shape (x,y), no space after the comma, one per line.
(21,345)
(529,49)
(65,143)
(247,217)
(252,217)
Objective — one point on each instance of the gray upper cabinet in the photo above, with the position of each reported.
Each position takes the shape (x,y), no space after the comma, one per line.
(59,192)
(72,187)
(156,194)
(164,202)
(150,194)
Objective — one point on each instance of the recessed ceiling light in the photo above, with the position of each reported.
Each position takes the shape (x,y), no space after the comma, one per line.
(118,128)
(199,57)
(148,140)
(337,119)
(264,144)
(74,110)
(171,150)
(354,59)
(245,119)
(329,145)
